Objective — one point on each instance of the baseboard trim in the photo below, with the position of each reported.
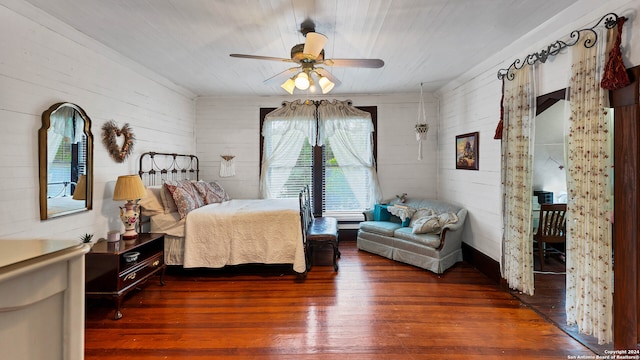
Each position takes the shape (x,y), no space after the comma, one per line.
(482,262)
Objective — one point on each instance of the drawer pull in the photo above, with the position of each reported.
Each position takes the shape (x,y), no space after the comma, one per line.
(156,263)
(130,276)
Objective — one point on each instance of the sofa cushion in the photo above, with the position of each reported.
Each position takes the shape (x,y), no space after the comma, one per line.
(385,228)
(406,233)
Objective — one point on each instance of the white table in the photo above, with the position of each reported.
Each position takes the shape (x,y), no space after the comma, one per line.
(42,299)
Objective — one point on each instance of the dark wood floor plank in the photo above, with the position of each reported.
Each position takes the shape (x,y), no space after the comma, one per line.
(549,301)
(372,308)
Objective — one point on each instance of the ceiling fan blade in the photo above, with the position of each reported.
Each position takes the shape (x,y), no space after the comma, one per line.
(282,76)
(328,75)
(314,44)
(363,63)
(257,57)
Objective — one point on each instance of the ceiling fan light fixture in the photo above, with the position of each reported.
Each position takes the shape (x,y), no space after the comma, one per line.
(325,84)
(302,81)
(289,85)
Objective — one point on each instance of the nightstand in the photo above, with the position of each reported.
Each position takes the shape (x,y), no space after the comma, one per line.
(108,274)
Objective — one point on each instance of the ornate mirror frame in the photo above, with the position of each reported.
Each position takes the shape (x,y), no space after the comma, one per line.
(69,206)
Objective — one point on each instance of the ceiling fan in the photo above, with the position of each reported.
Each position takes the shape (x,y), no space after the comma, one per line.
(309,56)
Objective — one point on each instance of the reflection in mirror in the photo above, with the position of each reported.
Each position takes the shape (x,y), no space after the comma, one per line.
(549,164)
(66,161)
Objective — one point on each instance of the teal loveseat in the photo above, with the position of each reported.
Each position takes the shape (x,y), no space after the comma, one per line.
(425,233)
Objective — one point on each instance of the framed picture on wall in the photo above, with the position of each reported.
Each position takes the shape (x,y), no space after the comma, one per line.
(467,151)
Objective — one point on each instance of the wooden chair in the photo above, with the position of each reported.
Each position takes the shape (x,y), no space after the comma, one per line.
(317,231)
(551,228)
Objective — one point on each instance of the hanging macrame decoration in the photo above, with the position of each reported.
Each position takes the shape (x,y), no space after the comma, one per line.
(421,125)
(227,166)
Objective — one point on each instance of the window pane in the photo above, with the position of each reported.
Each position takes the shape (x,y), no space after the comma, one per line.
(340,194)
(300,175)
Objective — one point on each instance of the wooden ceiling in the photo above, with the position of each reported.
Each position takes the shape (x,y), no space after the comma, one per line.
(189,41)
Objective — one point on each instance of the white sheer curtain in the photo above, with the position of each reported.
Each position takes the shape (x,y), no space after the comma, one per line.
(349,133)
(517,167)
(589,298)
(62,125)
(285,130)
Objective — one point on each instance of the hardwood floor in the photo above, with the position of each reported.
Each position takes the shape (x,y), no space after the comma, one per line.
(373,308)
(549,301)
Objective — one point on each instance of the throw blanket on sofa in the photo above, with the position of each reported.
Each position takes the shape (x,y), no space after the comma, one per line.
(233,232)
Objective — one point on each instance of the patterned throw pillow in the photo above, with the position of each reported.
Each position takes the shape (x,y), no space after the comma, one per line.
(187,197)
(217,189)
(207,193)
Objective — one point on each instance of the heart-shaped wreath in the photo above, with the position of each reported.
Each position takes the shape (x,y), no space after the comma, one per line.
(110,133)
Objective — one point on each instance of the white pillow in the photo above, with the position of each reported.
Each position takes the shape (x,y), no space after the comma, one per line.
(426,225)
(420,213)
(447,218)
(152,202)
(167,197)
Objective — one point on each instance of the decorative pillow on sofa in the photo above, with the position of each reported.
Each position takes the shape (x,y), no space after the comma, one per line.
(152,202)
(186,197)
(433,224)
(447,218)
(420,213)
(427,224)
(403,212)
(380,213)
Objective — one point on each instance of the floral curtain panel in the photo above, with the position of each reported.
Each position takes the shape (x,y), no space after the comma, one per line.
(589,295)
(517,167)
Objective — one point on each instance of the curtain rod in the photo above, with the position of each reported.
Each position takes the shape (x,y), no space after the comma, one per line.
(610,20)
(316,102)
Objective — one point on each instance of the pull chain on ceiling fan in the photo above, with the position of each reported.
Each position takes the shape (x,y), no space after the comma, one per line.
(308,56)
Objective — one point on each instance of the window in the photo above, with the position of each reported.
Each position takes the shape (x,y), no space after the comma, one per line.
(340,185)
(68,164)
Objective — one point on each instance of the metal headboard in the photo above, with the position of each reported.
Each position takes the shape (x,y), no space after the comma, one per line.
(156,167)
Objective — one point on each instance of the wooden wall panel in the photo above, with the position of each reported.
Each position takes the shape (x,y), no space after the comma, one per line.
(626,308)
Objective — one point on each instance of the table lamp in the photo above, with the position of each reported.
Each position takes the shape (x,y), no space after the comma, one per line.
(130,189)
(80,192)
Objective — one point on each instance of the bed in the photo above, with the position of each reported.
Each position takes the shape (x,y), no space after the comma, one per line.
(216,230)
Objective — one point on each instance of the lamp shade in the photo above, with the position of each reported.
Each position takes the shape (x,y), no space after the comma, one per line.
(325,84)
(302,81)
(289,85)
(129,187)
(80,192)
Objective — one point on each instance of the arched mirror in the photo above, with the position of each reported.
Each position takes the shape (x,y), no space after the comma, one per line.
(66,161)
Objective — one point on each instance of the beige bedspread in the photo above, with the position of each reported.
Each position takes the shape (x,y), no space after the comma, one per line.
(265,231)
